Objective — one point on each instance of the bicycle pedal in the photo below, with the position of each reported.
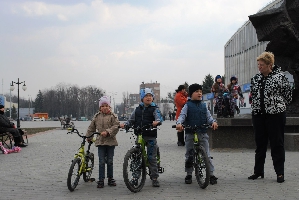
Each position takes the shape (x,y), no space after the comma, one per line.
(160,170)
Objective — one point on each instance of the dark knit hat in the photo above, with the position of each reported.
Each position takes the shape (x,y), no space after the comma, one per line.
(180,88)
(218,76)
(233,78)
(193,88)
(1,106)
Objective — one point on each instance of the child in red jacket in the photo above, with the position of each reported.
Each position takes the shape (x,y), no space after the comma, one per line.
(180,99)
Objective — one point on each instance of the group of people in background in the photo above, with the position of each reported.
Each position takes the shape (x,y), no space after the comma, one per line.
(225,98)
(171,115)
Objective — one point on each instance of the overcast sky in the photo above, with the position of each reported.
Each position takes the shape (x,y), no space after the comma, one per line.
(115,45)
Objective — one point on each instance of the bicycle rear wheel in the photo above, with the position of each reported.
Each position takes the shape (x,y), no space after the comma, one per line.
(74,174)
(89,168)
(134,170)
(202,167)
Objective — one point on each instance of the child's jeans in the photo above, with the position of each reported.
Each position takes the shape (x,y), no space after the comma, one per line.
(106,154)
(203,139)
(152,155)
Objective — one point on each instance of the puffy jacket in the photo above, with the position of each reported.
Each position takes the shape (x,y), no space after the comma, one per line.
(270,94)
(104,122)
(145,115)
(5,123)
(180,99)
(197,115)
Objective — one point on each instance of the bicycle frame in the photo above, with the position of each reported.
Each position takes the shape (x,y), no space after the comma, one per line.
(81,152)
(141,143)
(199,158)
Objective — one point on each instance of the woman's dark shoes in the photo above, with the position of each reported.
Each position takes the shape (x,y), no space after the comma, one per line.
(280,178)
(255,176)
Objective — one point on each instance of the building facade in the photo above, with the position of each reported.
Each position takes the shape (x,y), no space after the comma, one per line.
(241,51)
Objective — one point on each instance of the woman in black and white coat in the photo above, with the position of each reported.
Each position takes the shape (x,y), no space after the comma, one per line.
(271,92)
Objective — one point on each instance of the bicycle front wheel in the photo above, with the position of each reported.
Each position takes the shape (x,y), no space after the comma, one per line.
(74,174)
(202,167)
(134,170)
(89,167)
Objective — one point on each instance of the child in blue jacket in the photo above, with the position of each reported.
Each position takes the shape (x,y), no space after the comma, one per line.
(196,113)
(148,113)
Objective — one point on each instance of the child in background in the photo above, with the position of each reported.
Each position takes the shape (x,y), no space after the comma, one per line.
(218,88)
(195,113)
(235,91)
(180,99)
(148,113)
(106,123)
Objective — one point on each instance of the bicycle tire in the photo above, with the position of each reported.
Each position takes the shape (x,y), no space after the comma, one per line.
(201,167)
(74,175)
(134,170)
(89,167)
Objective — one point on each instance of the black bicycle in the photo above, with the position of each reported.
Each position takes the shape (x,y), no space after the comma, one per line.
(200,158)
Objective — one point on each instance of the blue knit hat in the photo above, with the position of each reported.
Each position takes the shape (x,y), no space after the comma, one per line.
(218,76)
(144,92)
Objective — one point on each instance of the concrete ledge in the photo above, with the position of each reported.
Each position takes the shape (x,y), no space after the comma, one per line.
(291,141)
(238,133)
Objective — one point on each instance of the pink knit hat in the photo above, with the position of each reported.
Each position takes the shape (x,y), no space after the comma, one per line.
(104,99)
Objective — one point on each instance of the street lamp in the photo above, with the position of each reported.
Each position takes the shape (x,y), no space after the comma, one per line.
(12,87)
(29,96)
(94,104)
(10,100)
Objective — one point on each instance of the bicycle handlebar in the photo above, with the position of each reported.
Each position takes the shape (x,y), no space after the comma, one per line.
(195,127)
(151,127)
(73,130)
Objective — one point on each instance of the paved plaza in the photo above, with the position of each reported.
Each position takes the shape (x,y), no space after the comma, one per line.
(40,171)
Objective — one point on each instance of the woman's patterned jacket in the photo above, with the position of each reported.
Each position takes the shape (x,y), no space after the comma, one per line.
(276,89)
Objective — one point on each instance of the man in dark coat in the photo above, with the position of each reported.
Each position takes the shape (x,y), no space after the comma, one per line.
(7,126)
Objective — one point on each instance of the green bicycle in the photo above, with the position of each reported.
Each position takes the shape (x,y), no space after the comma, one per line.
(82,164)
(136,161)
(200,159)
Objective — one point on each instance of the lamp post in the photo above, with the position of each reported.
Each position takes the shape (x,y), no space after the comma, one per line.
(10,101)
(29,107)
(12,87)
(94,105)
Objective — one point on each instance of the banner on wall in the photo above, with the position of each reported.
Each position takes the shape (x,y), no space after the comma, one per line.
(2,100)
(210,96)
(246,87)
